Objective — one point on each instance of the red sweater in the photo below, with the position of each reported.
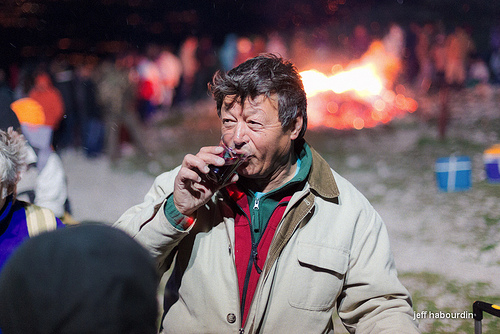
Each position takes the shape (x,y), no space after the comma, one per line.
(250,256)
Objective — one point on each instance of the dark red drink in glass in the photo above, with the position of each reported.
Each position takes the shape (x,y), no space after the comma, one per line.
(221,174)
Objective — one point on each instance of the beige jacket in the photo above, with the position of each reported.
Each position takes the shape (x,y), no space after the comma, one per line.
(330,250)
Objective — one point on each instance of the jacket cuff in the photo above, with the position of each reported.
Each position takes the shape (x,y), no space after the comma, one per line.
(177,219)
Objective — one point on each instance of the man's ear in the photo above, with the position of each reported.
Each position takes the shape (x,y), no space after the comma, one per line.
(296,127)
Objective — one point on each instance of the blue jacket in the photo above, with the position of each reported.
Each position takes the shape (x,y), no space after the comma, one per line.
(13,228)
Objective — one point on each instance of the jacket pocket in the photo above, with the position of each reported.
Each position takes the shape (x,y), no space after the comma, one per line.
(318,276)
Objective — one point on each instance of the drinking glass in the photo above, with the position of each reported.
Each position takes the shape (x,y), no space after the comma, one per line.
(232,160)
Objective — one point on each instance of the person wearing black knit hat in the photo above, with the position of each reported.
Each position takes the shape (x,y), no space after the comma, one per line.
(89,278)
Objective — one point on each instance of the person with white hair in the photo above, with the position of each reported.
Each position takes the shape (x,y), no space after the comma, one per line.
(18,219)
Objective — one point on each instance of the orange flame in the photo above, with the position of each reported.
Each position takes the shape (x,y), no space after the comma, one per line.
(363,80)
(360,96)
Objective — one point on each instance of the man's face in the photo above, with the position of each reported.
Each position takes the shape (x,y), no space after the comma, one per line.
(254,129)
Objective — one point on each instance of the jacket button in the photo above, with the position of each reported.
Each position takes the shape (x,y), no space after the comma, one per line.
(231,318)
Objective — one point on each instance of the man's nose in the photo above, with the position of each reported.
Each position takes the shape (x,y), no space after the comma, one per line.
(239,135)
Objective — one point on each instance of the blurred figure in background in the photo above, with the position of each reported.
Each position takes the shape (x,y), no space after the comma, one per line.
(276,44)
(85,279)
(44,180)
(89,112)
(423,53)
(170,68)
(18,220)
(245,49)
(64,80)
(459,47)
(190,66)
(359,41)
(150,94)
(117,96)
(227,52)
(478,73)
(208,64)
(438,56)
(6,94)
(494,64)
(49,97)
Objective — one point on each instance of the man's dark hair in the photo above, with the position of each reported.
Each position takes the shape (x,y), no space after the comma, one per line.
(265,74)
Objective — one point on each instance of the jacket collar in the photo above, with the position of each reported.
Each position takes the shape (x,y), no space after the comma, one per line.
(320,178)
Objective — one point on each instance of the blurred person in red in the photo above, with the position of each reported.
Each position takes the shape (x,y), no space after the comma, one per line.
(459,46)
(150,85)
(50,99)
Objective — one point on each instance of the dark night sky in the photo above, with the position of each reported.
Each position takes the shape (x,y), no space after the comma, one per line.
(86,23)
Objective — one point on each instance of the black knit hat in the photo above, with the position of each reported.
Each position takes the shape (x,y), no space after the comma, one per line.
(8,118)
(89,278)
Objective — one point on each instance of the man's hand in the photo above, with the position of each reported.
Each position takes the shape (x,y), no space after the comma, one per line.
(192,189)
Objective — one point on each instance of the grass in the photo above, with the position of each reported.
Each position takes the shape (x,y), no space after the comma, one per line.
(434,293)
(444,305)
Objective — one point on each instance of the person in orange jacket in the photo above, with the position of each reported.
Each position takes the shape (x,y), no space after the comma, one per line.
(49,97)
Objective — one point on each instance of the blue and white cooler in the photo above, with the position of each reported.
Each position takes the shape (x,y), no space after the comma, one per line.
(453,173)
(491,159)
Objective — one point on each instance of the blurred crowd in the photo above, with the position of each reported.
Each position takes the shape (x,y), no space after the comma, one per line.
(96,103)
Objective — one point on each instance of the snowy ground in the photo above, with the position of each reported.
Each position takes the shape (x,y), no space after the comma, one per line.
(453,235)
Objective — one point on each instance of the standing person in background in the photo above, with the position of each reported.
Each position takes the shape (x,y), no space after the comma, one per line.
(64,81)
(50,99)
(89,112)
(6,94)
(459,47)
(282,244)
(227,52)
(208,65)
(150,86)
(43,182)
(117,96)
(190,67)
(170,68)
(423,53)
(18,220)
(276,44)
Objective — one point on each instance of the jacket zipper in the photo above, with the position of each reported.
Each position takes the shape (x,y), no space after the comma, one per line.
(252,260)
(256,203)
